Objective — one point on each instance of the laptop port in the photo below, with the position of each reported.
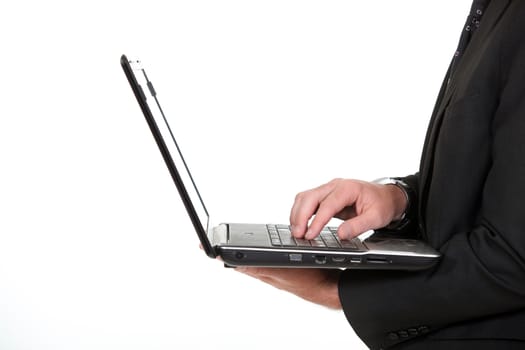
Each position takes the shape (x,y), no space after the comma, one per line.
(296,257)
(377,260)
(338,259)
(320,259)
(355,260)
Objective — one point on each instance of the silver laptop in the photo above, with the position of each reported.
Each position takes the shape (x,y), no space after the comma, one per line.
(269,245)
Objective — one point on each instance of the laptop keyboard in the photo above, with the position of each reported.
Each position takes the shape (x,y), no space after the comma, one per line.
(281,236)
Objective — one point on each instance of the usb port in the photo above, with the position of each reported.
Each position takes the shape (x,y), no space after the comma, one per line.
(356,260)
(296,257)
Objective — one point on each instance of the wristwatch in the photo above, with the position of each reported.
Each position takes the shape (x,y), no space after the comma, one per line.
(407,190)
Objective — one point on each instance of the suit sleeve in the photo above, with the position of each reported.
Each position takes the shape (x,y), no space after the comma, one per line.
(482,271)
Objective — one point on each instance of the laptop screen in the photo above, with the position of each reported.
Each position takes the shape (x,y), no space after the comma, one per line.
(171,152)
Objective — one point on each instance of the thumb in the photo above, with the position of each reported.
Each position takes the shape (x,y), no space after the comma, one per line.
(357,225)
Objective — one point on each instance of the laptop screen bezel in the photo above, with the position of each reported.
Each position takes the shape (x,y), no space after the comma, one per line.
(168,159)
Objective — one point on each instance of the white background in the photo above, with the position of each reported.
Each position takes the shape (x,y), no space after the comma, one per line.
(268,98)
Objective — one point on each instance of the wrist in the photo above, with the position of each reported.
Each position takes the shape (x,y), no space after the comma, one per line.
(399,193)
(400,201)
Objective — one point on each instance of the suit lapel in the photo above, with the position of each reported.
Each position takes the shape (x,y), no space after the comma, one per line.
(463,70)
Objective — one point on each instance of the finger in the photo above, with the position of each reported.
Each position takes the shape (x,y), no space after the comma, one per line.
(302,210)
(328,208)
(305,206)
(334,203)
(324,214)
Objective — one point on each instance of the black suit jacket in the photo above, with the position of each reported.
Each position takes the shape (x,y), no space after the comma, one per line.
(470,195)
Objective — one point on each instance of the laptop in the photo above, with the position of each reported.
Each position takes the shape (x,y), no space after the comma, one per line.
(267,245)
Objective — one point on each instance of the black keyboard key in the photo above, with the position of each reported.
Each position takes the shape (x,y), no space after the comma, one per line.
(284,232)
(280,235)
(303,242)
(317,242)
(286,237)
(332,243)
(276,241)
(288,242)
(348,244)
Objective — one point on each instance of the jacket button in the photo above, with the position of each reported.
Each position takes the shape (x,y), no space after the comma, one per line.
(393,336)
(403,334)
(423,329)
